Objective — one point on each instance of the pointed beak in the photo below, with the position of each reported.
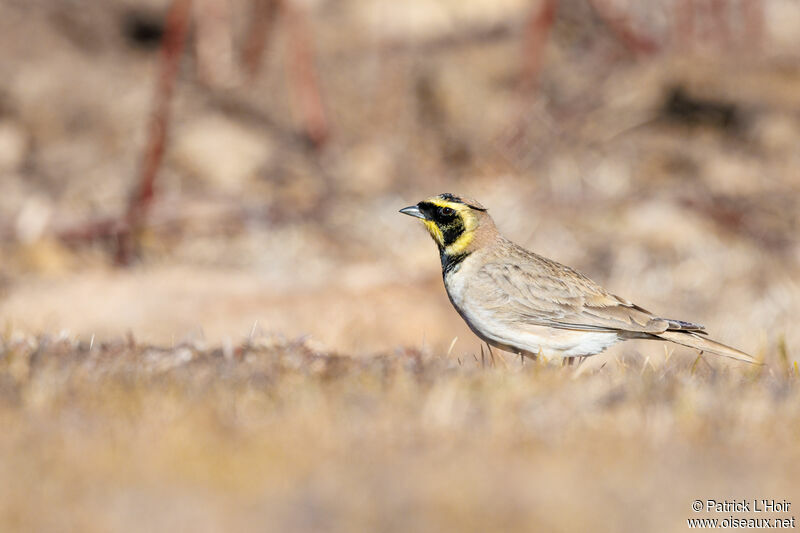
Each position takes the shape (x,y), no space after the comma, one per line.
(413,211)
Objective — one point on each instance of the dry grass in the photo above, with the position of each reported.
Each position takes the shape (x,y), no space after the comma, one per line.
(627,168)
(271,436)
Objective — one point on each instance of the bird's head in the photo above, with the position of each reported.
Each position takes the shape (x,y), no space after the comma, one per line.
(454,222)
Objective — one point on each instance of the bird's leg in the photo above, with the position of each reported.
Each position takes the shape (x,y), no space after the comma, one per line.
(491,354)
(499,356)
(709,365)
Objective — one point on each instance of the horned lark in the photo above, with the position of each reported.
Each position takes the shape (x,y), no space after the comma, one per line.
(524,303)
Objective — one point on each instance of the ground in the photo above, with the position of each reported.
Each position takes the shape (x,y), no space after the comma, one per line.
(279,350)
(281,437)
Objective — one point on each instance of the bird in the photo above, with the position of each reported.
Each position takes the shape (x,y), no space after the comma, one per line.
(524,303)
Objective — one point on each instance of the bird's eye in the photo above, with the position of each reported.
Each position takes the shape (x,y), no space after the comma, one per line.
(447,211)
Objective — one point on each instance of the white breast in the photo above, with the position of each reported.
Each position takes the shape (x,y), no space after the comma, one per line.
(533,339)
(525,337)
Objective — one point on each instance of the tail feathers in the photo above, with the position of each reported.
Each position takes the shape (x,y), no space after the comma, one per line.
(693,340)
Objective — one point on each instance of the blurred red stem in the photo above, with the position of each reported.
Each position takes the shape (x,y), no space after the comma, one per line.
(302,74)
(536,34)
(176,28)
(262,18)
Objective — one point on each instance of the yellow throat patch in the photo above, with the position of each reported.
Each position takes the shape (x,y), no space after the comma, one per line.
(468,220)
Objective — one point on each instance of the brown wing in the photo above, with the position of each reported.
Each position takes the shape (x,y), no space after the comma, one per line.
(536,290)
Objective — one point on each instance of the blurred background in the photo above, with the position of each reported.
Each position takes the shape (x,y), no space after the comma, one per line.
(213,318)
(209,169)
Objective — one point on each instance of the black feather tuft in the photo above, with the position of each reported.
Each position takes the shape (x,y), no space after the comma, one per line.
(682,325)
